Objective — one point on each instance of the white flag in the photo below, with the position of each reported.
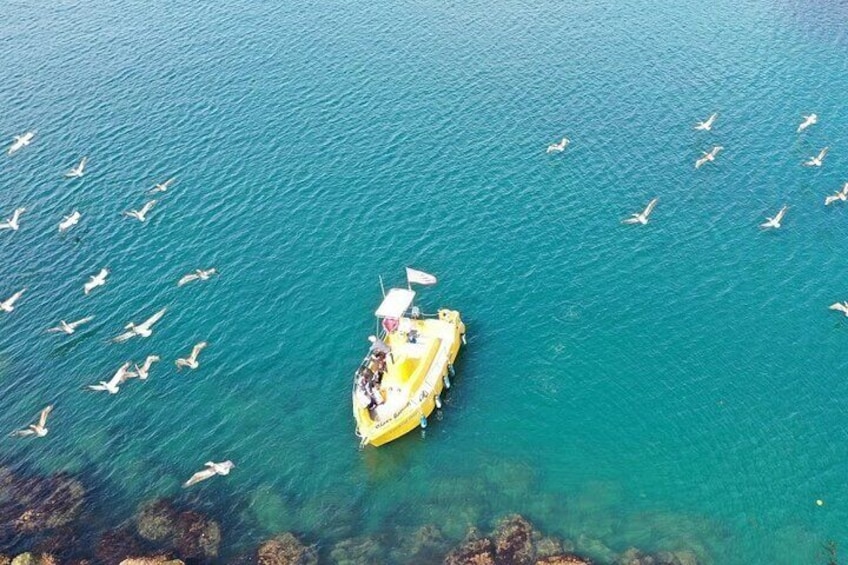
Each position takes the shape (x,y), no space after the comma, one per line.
(419,277)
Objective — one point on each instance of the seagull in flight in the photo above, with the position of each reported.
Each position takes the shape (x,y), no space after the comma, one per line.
(144,371)
(37,430)
(141,215)
(708,156)
(113,385)
(145,329)
(641,217)
(558,147)
(191,361)
(77,171)
(808,121)
(775,221)
(199,274)
(210,471)
(707,124)
(162,186)
(13,222)
(96,280)
(69,221)
(840,306)
(817,160)
(9,304)
(839,195)
(20,142)
(71,327)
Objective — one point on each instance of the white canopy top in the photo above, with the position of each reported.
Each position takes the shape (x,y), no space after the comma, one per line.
(396,302)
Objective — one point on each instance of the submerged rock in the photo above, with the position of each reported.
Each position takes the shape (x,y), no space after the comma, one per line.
(514,540)
(363,550)
(32,559)
(116,545)
(191,534)
(474,550)
(563,559)
(634,556)
(157,560)
(30,505)
(286,549)
(421,545)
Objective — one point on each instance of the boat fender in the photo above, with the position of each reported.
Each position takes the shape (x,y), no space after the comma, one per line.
(439,401)
(450,369)
(423,421)
(463,340)
(447,381)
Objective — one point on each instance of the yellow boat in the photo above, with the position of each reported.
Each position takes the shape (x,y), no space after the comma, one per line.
(399,383)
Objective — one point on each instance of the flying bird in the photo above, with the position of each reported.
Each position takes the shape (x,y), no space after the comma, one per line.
(13,222)
(112,386)
(96,280)
(191,361)
(559,146)
(840,306)
(145,329)
(21,141)
(39,429)
(817,160)
(199,274)
(210,471)
(141,215)
(144,371)
(808,121)
(775,221)
(839,195)
(162,186)
(77,171)
(707,124)
(71,327)
(708,156)
(641,217)
(9,304)
(69,221)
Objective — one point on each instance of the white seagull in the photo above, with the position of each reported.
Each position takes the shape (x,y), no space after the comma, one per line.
(839,195)
(13,222)
(808,121)
(9,304)
(71,327)
(641,217)
(96,280)
(191,361)
(708,156)
(21,141)
(775,221)
(77,171)
(69,221)
(162,186)
(199,274)
(113,385)
(141,215)
(817,160)
(144,371)
(145,329)
(558,147)
(37,430)
(840,306)
(707,124)
(210,471)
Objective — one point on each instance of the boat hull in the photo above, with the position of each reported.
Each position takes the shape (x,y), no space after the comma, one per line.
(416,375)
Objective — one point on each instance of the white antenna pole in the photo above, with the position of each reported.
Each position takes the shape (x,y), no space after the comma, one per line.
(382,288)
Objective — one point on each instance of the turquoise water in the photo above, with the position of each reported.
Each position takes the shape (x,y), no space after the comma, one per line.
(680,384)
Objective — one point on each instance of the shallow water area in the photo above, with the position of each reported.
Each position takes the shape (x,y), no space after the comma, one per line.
(674,385)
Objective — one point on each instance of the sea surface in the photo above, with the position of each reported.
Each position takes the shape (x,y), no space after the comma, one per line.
(676,385)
